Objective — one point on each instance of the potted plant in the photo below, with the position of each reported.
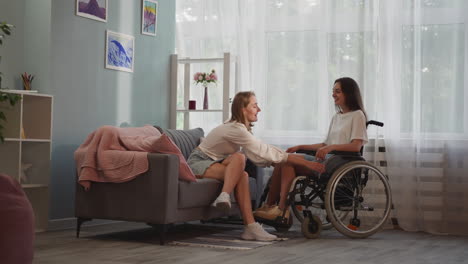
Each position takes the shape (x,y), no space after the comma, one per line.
(5,29)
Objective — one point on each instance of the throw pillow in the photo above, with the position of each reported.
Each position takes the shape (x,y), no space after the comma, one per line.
(185,140)
(165,145)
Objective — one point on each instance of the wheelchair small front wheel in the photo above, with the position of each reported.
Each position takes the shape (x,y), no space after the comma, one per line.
(311,226)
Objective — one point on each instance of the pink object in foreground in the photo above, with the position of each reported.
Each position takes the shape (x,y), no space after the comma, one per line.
(16,223)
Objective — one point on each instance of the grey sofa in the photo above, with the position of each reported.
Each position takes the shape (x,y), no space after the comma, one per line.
(157,197)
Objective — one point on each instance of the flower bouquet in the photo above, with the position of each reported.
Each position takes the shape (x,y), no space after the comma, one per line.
(205,78)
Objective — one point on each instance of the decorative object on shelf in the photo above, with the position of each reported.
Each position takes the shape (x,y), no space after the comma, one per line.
(93,9)
(205,78)
(27,80)
(24,177)
(120,51)
(192,105)
(5,29)
(22,134)
(205,98)
(149,17)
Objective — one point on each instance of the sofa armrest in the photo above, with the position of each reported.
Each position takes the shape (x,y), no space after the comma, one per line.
(164,184)
(149,197)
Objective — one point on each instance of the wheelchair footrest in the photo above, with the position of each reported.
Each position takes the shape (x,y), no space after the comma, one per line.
(281,222)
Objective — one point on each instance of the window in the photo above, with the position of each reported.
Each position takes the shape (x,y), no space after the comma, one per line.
(292,70)
(433,67)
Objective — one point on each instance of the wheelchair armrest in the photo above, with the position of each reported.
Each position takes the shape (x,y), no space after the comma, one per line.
(345,153)
(341,153)
(308,152)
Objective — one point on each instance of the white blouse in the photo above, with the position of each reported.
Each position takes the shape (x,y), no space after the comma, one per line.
(230,137)
(346,127)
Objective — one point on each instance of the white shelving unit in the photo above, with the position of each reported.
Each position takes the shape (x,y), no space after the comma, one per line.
(25,155)
(186,62)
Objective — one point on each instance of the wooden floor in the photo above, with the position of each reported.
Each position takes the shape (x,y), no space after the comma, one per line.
(121,243)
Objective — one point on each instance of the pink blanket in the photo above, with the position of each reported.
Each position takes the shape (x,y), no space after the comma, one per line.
(112,154)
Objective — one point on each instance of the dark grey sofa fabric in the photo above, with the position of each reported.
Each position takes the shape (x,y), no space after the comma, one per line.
(207,190)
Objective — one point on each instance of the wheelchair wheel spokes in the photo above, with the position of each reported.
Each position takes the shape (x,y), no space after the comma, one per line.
(363,191)
(302,197)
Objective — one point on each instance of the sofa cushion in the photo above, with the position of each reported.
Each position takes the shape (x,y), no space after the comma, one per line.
(186,140)
(198,194)
(165,145)
(204,191)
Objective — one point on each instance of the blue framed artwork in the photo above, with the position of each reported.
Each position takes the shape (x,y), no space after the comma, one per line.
(149,17)
(120,51)
(93,9)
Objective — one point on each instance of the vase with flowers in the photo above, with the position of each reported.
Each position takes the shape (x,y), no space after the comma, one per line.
(205,78)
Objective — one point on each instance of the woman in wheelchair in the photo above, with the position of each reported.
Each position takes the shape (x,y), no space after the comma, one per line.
(347,132)
(351,195)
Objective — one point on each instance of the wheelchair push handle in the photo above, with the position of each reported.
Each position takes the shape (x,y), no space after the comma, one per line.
(375,123)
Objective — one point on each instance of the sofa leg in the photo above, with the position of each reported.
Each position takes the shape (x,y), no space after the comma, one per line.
(162,233)
(80,221)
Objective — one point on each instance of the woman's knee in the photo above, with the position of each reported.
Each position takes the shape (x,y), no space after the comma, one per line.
(244,178)
(238,158)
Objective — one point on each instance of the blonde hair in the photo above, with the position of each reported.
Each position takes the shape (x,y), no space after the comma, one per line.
(241,101)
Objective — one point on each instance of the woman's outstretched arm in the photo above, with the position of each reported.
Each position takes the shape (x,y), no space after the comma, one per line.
(305,147)
(298,160)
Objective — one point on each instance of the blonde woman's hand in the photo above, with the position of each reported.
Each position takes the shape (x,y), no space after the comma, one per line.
(292,149)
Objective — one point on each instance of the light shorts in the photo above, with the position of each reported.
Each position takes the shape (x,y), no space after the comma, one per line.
(199,162)
(313,158)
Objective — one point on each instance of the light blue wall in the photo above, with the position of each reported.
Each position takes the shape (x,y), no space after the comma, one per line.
(70,51)
(28,48)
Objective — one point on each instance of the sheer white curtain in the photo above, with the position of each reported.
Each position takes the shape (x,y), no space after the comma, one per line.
(409,57)
(424,58)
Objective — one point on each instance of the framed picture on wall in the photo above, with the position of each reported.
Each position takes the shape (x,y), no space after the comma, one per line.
(94,9)
(120,51)
(149,17)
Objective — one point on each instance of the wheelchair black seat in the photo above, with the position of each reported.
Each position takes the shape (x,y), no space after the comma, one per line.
(344,195)
(333,163)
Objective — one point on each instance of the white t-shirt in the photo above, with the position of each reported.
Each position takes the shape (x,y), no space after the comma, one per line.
(346,127)
(228,138)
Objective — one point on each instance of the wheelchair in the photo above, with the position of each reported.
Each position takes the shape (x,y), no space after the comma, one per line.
(352,195)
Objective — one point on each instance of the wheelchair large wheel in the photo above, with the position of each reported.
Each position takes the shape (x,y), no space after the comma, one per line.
(361,191)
